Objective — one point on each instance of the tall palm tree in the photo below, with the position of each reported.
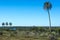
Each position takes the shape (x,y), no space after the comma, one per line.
(48,6)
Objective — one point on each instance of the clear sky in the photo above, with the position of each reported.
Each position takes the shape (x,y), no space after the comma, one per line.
(29,12)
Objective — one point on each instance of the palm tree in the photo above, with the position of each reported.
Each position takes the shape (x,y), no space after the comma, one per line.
(10,23)
(48,6)
(3,24)
(6,23)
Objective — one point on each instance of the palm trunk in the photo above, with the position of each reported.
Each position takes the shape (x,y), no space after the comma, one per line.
(49,21)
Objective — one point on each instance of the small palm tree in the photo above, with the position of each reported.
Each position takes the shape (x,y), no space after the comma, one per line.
(6,23)
(48,6)
(10,23)
(3,24)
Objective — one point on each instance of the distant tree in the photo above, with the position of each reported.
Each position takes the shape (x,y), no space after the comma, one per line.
(6,23)
(3,24)
(10,24)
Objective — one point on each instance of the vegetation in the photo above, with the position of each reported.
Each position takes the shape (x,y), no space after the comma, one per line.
(6,24)
(28,33)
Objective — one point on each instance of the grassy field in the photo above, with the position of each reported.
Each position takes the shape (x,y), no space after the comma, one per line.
(23,38)
(27,33)
(20,38)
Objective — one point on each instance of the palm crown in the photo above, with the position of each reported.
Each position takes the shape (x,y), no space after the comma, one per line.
(47,5)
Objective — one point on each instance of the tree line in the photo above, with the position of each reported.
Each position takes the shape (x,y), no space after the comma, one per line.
(6,23)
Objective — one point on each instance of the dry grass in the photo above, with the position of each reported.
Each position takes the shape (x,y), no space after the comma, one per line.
(21,38)
(2,37)
(21,35)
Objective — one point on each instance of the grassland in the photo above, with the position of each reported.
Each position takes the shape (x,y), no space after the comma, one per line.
(27,33)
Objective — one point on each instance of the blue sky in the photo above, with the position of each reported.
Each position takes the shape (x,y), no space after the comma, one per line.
(29,12)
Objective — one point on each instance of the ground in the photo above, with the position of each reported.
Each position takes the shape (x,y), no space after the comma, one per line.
(22,33)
